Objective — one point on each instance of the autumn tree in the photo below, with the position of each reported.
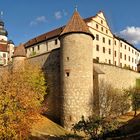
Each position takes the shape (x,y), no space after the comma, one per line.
(21,95)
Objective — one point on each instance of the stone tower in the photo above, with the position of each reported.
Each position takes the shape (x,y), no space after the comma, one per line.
(19,57)
(76,71)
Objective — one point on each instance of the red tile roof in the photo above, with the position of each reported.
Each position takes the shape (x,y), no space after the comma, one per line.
(76,24)
(19,51)
(3,47)
(48,35)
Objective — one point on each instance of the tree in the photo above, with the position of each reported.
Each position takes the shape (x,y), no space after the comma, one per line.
(96,127)
(21,95)
(135,95)
(111,100)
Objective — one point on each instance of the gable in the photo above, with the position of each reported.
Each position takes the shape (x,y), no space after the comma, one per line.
(101,21)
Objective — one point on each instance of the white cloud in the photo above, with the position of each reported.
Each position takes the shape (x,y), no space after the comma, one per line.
(58,15)
(132,34)
(40,19)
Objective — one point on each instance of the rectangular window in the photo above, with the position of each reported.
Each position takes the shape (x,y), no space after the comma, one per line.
(46,46)
(129,48)
(38,47)
(120,55)
(132,51)
(102,28)
(97,47)
(97,58)
(115,53)
(121,44)
(129,58)
(109,42)
(107,31)
(132,60)
(115,42)
(125,57)
(33,49)
(103,40)
(101,22)
(109,61)
(4,55)
(109,51)
(97,37)
(125,46)
(67,73)
(115,63)
(96,26)
(55,41)
(103,49)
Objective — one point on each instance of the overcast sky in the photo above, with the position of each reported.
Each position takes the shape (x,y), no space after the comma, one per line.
(25,19)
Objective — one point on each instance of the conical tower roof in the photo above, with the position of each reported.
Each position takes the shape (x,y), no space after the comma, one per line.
(19,51)
(76,25)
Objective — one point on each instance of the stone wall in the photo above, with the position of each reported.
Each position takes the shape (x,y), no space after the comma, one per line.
(118,77)
(50,63)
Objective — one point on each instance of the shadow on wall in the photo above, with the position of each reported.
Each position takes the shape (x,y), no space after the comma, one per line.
(50,63)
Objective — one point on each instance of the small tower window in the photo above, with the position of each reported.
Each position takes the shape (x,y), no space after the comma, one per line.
(38,47)
(33,49)
(56,42)
(67,72)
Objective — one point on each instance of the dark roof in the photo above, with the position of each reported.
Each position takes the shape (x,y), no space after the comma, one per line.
(19,51)
(3,47)
(76,24)
(48,35)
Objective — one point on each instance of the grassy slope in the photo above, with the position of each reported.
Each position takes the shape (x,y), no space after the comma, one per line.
(45,127)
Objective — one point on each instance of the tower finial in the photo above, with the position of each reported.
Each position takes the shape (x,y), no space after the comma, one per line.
(76,7)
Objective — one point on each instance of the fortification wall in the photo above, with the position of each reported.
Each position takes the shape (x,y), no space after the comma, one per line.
(50,62)
(117,77)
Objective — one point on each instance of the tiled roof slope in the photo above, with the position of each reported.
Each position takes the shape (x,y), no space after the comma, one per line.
(45,36)
(19,51)
(3,47)
(76,24)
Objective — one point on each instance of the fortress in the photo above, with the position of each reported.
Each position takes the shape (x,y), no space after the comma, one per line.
(75,58)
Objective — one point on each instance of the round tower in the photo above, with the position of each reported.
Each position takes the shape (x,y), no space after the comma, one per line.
(76,69)
(19,58)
